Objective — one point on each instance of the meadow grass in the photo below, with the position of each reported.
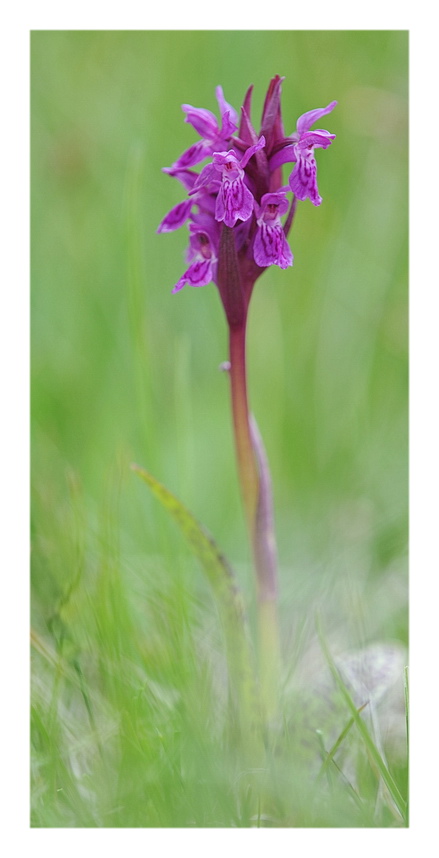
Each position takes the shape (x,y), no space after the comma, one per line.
(130,723)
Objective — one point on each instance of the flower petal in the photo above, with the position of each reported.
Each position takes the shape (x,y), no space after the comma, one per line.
(234,201)
(320,139)
(228,113)
(271,246)
(283,156)
(307,119)
(191,156)
(186,177)
(303,179)
(276,198)
(251,151)
(198,274)
(176,217)
(204,121)
(208,174)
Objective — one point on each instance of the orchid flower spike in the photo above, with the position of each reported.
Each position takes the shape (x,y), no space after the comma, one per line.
(240,191)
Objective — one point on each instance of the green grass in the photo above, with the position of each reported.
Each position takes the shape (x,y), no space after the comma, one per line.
(129,675)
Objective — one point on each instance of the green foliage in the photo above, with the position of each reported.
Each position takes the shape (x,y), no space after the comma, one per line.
(129,692)
(378,763)
(224,584)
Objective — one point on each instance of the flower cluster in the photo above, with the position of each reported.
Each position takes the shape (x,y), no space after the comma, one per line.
(234,205)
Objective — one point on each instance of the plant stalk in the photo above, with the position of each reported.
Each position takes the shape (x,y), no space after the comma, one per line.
(257,499)
(246,460)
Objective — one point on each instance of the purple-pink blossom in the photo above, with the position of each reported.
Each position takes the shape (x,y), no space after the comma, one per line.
(214,136)
(234,200)
(202,254)
(237,207)
(303,179)
(271,246)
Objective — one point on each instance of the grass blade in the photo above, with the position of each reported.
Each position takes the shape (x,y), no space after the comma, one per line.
(329,755)
(230,605)
(361,725)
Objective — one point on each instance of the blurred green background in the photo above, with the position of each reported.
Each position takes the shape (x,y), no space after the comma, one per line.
(124,371)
